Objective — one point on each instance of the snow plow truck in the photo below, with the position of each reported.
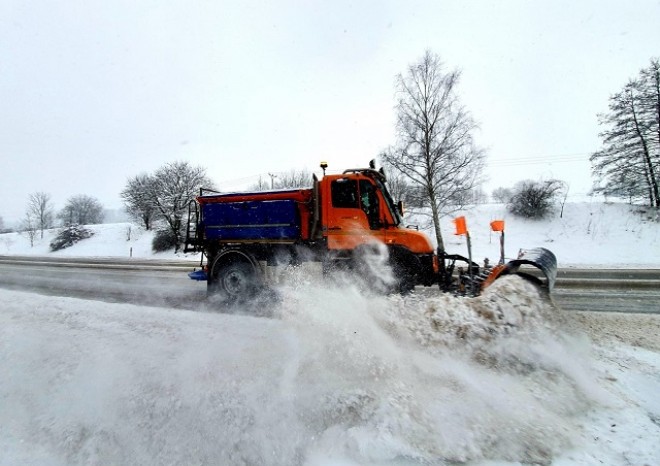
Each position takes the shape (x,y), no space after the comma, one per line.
(343,222)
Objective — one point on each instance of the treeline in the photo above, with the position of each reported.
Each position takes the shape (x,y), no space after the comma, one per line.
(40,213)
(157,199)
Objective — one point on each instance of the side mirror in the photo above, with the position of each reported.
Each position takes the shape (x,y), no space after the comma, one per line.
(399,207)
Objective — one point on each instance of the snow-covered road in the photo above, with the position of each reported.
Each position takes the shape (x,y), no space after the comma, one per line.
(336,378)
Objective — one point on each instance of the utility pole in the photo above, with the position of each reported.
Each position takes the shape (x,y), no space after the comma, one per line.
(272,180)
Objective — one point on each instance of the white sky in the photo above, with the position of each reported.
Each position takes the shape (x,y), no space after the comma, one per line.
(94,92)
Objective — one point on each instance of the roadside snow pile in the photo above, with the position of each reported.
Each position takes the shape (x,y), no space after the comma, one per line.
(436,379)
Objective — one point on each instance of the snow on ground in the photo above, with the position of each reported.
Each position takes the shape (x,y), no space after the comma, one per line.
(338,377)
(122,240)
(593,234)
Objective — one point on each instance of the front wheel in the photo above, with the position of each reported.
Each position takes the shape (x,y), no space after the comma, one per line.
(405,268)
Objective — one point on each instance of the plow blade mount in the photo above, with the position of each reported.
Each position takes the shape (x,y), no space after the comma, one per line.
(540,258)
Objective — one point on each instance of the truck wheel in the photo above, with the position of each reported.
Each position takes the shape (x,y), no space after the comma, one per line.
(405,279)
(235,281)
(370,265)
(405,268)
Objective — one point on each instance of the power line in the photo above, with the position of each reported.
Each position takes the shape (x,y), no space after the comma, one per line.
(540,160)
(536,156)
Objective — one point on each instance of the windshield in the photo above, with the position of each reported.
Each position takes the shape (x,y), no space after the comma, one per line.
(390,202)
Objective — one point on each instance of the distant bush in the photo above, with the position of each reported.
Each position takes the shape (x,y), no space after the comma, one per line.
(164,240)
(502,195)
(534,199)
(68,236)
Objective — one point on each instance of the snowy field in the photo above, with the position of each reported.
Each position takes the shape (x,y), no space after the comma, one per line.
(588,234)
(338,377)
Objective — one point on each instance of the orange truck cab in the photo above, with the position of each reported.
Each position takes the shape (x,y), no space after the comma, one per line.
(357,212)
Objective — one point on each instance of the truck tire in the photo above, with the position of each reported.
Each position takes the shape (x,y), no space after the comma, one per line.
(234,280)
(405,268)
(369,263)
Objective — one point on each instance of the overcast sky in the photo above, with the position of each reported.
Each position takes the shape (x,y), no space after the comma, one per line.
(94,92)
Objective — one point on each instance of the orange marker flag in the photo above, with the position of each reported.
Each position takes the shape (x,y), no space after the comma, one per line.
(497,225)
(461,226)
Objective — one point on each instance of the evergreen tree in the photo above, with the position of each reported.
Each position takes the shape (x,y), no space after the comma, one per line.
(628,165)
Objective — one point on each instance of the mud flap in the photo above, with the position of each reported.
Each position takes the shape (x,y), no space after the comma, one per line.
(540,258)
(199,275)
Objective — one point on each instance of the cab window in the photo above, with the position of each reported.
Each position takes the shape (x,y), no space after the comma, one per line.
(369,203)
(344,193)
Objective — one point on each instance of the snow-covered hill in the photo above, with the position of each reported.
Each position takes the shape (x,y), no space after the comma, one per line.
(587,234)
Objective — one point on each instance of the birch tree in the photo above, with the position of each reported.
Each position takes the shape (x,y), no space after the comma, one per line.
(435,147)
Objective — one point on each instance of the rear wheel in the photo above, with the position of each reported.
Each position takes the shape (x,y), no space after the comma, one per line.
(234,280)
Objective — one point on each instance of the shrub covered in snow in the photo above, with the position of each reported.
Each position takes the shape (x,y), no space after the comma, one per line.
(534,199)
(164,240)
(68,236)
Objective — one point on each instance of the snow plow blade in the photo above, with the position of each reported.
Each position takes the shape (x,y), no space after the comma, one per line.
(540,258)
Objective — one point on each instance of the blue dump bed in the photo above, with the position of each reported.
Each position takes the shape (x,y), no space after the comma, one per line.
(252,220)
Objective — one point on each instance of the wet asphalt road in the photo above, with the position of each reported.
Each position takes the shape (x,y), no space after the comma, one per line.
(166,284)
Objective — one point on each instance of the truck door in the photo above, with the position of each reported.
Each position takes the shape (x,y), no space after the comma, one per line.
(354,214)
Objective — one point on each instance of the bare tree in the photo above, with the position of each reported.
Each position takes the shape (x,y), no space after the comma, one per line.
(139,199)
(294,179)
(41,211)
(175,185)
(29,227)
(260,185)
(502,195)
(463,198)
(398,185)
(81,210)
(3,228)
(435,147)
(284,180)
